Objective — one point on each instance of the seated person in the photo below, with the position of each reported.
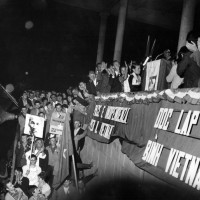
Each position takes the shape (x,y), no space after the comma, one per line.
(14,193)
(21,181)
(35,193)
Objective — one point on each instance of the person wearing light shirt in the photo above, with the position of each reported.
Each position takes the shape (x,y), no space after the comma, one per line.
(32,170)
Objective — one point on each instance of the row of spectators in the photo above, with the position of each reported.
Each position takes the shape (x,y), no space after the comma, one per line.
(36,169)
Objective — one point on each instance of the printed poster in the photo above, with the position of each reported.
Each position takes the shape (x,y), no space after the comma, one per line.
(34,125)
(57,123)
(152,75)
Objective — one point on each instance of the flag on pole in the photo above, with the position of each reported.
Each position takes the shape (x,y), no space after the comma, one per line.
(66,149)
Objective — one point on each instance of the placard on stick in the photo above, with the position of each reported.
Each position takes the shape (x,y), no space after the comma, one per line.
(57,123)
(34,124)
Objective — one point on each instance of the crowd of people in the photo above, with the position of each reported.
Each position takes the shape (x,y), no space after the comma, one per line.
(36,165)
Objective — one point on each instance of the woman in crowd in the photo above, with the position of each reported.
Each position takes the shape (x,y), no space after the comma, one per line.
(83,90)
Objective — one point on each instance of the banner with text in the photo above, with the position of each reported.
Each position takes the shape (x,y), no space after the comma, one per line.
(160,137)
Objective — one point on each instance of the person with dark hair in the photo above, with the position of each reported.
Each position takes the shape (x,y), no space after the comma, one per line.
(135,78)
(35,193)
(32,98)
(41,154)
(36,110)
(21,181)
(114,79)
(24,101)
(14,193)
(22,147)
(59,98)
(22,119)
(53,100)
(32,170)
(44,101)
(43,186)
(92,83)
(53,161)
(187,67)
(66,190)
(103,78)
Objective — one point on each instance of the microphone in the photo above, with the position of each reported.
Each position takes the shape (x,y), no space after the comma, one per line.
(145,62)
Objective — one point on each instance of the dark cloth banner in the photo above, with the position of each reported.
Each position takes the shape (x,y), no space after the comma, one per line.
(161,136)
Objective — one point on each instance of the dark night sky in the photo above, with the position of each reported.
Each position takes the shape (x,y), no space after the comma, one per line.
(61,47)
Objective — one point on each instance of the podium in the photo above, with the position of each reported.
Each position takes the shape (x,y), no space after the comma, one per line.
(154,75)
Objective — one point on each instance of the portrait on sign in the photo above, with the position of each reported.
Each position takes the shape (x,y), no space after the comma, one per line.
(152,75)
(34,125)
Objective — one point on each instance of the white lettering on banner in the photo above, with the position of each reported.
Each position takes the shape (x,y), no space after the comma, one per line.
(177,130)
(118,114)
(97,124)
(109,112)
(146,151)
(177,164)
(194,164)
(190,167)
(152,152)
(162,118)
(97,110)
(91,126)
(193,121)
(162,121)
(186,123)
(188,157)
(106,130)
(190,120)
(103,111)
(170,159)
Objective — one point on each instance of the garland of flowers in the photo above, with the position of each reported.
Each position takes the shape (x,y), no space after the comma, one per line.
(189,95)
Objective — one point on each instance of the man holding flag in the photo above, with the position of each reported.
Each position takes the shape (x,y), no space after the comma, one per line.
(61,167)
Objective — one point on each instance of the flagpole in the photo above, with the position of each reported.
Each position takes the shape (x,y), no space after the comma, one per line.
(14,155)
(75,175)
(33,137)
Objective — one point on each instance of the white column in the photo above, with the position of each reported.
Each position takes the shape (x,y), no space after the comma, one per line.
(120,30)
(102,34)
(187,21)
